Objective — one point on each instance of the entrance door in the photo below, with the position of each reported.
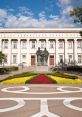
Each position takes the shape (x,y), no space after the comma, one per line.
(32,59)
(51,59)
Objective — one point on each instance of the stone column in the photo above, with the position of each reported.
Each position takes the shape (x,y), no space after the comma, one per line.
(66,51)
(47,47)
(19,52)
(57,51)
(28,52)
(75,50)
(9,52)
(0,44)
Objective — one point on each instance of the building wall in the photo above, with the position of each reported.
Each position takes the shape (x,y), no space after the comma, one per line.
(38,35)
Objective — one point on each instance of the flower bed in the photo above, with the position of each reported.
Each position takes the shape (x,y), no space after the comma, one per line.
(41,79)
(61,80)
(20,80)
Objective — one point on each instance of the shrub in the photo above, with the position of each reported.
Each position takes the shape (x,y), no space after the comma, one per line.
(74,68)
(63,75)
(4,70)
(13,68)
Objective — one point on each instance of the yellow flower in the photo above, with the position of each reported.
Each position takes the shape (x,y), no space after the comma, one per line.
(61,80)
(21,80)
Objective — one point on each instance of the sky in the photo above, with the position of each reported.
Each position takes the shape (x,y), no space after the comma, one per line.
(37,13)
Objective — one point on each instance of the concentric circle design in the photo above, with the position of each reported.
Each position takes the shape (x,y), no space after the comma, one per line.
(61,88)
(20,103)
(25,88)
(67,103)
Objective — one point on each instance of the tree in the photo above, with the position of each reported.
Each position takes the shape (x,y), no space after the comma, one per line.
(77,14)
(2,57)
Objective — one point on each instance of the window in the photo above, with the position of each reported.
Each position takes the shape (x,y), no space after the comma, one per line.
(14,59)
(79,59)
(24,56)
(60,44)
(42,44)
(23,60)
(23,44)
(61,58)
(79,44)
(33,44)
(70,58)
(51,44)
(5,60)
(14,44)
(70,44)
(5,44)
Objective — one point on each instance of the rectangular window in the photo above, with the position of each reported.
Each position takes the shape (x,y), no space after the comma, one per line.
(79,59)
(23,44)
(70,58)
(14,59)
(51,44)
(24,56)
(5,44)
(33,44)
(61,58)
(60,45)
(79,43)
(14,44)
(5,60)
(23,60)
(70,44)
(42,44)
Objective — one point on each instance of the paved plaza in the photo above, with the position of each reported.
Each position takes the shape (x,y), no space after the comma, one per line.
(40,100)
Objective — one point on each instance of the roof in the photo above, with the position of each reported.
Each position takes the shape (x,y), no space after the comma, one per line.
(40,30)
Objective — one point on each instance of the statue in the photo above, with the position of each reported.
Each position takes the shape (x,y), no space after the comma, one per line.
(46,54)
(42,57)
(38,53)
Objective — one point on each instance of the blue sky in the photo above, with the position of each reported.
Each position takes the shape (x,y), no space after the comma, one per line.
(37,13)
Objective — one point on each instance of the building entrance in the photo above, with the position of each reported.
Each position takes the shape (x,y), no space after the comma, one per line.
(32,60)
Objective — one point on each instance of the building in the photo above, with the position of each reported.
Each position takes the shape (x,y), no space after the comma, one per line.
(21,45)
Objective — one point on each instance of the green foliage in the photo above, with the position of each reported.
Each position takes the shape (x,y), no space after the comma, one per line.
(77,14)
(25,74)
(63,75)
(12,68)
(4,71)
(2,56)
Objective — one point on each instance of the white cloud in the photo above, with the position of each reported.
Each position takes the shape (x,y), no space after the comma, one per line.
(3,13)
(66,10)
(64,2)
(7,19)
(42,15)
(25,11)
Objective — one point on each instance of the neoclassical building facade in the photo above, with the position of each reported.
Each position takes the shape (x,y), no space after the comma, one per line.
(21,45)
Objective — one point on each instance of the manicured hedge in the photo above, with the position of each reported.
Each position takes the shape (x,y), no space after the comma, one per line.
(13,68)
(74,68)
(4,70)
(63,75)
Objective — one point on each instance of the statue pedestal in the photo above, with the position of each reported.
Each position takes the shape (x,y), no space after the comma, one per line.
(42,68)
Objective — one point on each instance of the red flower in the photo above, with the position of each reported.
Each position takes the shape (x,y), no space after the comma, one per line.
(41,79)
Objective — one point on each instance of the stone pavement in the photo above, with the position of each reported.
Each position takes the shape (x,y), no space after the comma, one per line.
(41,100)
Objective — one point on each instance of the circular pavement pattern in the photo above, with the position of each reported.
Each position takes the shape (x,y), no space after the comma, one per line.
(28,95)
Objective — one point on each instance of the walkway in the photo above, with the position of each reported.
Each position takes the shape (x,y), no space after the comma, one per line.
(41,100)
